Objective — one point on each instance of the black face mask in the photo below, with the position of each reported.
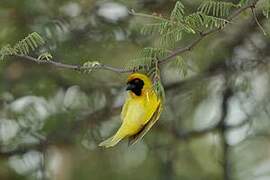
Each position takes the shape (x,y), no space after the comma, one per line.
(135,86)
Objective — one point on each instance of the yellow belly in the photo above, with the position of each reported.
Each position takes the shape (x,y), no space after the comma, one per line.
(138,114)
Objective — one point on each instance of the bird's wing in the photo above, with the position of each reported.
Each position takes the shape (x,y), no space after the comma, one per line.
(135,138)
(125,108)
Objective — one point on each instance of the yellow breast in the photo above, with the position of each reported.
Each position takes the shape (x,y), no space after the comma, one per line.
(139,111)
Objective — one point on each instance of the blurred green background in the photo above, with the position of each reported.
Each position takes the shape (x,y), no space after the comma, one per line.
(215,121)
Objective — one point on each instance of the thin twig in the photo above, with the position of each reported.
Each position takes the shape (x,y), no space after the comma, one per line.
(257,21)
(164,60)
(71,66)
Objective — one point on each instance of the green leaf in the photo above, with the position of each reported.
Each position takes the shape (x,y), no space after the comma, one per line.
(178,11)
(6,51)
(216,8)
(45,56)
(198,20)
(31,42)
(89,66)
(170,30)
(154,53)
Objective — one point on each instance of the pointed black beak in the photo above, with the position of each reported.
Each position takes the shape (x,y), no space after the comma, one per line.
(130,86)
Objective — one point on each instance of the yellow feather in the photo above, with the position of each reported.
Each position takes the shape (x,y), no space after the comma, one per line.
(138,115)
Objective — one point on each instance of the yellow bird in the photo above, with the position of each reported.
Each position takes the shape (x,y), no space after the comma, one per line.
(141,110)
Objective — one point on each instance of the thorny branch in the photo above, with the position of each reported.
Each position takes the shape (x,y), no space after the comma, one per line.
(164,60)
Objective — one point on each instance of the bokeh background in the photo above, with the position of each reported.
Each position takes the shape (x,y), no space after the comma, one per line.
(215,124)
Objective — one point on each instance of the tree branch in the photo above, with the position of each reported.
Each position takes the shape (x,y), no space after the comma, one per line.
(164,60)
(71,66)
(257,21)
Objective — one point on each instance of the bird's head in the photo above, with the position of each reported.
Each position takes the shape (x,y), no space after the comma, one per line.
(138,83)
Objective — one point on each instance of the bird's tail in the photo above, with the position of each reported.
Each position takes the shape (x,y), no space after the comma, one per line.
(112,141)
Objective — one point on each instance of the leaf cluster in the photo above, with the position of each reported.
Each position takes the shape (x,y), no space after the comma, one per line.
(210,14)
(30,43)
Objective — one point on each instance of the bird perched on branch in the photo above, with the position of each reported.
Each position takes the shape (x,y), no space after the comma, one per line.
(140,111)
